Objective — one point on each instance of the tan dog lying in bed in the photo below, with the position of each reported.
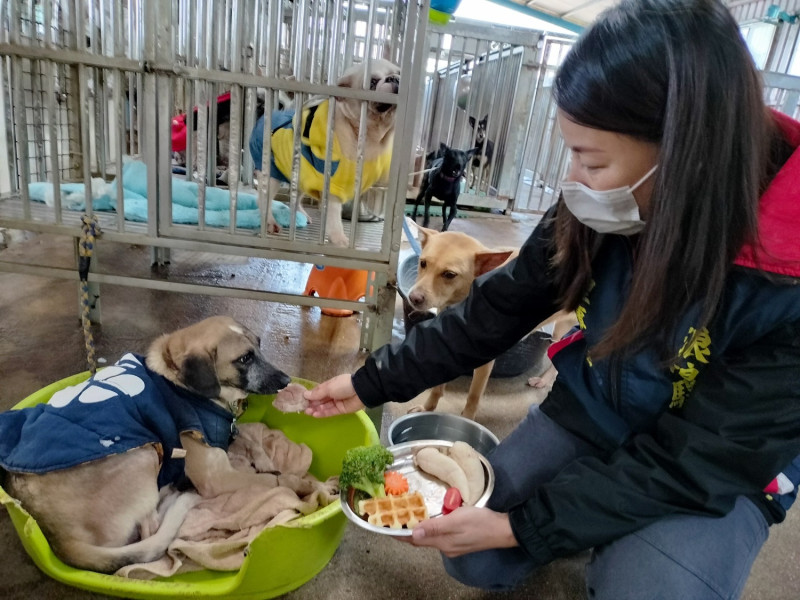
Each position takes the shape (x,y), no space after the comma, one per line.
(88,465)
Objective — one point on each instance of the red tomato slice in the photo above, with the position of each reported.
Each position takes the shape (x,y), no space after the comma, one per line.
(452,500)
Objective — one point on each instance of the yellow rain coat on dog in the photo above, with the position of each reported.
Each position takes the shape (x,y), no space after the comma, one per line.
(312,150)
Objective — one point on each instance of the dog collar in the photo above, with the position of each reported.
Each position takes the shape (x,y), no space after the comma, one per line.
(449,178)
(237,410)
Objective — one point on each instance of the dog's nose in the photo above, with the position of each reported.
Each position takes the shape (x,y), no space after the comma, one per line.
(283,379)
(272,381)
(416,298)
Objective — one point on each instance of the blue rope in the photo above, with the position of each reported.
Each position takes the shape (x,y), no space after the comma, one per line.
(411,239)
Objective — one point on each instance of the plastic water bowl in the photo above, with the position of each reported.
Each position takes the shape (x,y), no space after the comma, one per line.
(441,426)
(526,353)
(278,561)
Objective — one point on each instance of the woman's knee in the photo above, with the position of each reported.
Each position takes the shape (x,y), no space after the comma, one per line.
(496,570)
(687,557)
(530,456)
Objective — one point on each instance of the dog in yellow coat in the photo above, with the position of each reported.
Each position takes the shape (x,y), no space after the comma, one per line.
(384,77)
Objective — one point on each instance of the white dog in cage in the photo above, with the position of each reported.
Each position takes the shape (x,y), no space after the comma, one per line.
(384,77)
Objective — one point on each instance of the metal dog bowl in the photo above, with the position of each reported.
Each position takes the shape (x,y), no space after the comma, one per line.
(442,426)
(521,357)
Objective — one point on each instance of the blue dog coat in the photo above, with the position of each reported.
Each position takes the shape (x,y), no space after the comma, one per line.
(122,407)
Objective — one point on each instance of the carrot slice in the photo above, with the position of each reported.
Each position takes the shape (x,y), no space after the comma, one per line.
(395,483)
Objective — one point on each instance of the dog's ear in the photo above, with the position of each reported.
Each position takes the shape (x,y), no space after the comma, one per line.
(289,93)
(443,148)
(471,152)
(198,373)
(346,79)
(472,122)
(484,121)
(425,234)
(486,261)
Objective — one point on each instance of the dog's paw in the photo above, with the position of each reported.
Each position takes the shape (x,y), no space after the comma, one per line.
(543,381)
(308,484)
(327,491)
(338,240)
(330,486)
(302,486)
(537,382)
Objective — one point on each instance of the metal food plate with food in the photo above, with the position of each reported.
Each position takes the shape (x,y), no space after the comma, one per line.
(431,488)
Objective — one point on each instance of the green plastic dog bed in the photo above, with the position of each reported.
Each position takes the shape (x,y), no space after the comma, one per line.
(279,560)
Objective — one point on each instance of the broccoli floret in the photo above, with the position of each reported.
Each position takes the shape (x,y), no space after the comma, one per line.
(363,467)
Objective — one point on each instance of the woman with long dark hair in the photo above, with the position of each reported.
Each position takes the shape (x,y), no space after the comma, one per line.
(668,443)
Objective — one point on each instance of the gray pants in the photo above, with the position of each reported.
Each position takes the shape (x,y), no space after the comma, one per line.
(687,557)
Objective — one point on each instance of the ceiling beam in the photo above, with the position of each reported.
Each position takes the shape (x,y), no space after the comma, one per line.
(577,9)
(538,14)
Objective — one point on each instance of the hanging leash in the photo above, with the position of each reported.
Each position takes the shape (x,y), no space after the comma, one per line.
(411,239)
(90,230)
(422,172)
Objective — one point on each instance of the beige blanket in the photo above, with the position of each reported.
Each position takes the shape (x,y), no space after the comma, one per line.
(217,530)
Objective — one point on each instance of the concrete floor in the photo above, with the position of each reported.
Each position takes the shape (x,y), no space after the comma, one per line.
(41,341)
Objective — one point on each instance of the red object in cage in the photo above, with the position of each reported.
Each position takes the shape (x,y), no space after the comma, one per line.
(179,125)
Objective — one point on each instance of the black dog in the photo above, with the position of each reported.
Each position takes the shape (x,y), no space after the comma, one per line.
(443,181)
(484,151)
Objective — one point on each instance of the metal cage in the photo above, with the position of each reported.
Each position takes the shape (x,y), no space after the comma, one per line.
(501,75)
(91,86)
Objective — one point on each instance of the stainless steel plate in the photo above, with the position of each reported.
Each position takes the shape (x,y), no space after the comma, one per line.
(431,488)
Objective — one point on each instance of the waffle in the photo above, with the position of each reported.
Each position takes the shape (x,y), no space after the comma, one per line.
(395,512)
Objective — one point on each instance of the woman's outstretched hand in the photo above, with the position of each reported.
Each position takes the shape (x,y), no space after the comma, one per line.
(333,397)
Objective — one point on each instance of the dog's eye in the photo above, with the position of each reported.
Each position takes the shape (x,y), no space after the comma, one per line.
(246,358)
(449,275)
(422,264)
(374,82)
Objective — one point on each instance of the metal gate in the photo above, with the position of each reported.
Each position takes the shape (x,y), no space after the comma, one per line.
(782,93)
(502,76)
(95,91)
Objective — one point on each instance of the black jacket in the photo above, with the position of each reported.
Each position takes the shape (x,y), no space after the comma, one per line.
(687,439)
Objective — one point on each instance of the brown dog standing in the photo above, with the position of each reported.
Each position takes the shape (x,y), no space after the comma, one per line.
(88,465)
(448,264)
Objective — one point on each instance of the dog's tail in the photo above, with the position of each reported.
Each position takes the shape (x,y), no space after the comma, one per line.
(109,559)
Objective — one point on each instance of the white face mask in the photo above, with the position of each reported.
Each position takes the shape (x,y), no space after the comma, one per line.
(605,211)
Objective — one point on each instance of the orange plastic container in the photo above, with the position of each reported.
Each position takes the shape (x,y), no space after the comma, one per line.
(339,283)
